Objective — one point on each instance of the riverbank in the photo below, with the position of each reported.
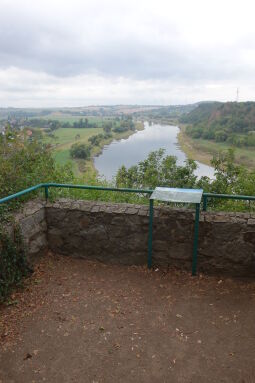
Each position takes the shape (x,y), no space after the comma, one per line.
(204,150)
(191,148)
(66,137)
(88,166)
(137,148)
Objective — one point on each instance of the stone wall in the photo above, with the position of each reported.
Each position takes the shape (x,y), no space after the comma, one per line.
(32,222)
(118,233)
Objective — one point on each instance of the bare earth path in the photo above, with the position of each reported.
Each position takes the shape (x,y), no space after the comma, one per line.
(80,321)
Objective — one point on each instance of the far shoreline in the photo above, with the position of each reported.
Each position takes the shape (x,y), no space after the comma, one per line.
(89,166)
(204,150)
(192,152)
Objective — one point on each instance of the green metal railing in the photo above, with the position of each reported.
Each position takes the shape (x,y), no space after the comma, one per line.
(70,186)
(46,187)
(205,198)
(22,192)
(225,196)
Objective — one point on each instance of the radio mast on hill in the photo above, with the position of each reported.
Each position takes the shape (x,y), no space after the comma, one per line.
(237,94)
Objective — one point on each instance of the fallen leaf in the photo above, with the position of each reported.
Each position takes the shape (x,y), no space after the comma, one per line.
(28,356)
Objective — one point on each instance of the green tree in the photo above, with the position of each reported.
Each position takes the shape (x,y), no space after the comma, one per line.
(24,164)
(158,170)
(81,151)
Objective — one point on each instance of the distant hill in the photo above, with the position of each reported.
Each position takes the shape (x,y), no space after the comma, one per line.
(140,111)
(201,113)
(164,113)
(230,122)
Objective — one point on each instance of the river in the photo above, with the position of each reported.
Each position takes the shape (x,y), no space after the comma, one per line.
(136,148)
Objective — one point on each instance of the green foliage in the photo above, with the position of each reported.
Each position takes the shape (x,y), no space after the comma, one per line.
(158,170)
(223,122)
(98,195)
(81,151)
(96,139)
(108,127)
(200,114)
(13,263)
(81,123)
(24,164)
(121,129)
(164,113)
(230,179)
(124,126)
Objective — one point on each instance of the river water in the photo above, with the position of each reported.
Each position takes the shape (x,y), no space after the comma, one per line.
(136,148)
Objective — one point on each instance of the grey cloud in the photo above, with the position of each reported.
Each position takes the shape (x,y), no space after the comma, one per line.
(28,42)
(149,45)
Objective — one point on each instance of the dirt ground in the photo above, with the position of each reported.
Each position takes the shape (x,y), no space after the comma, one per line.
(80,321)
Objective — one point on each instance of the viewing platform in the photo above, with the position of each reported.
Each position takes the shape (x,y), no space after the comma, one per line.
(85,321)
(95,310)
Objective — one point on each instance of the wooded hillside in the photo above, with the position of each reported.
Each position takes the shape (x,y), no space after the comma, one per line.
(230,122)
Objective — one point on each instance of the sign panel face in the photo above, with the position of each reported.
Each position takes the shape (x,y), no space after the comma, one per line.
(177,195)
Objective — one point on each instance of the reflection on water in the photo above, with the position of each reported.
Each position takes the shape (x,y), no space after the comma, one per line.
(136,148)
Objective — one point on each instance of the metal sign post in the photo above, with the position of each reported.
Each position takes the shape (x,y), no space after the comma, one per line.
(176,195)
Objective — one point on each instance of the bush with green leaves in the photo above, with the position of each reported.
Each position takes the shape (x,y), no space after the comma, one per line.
(80,151)
(159,169)
(26,163)
(13,263)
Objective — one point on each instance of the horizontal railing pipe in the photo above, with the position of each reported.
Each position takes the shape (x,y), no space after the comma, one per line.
(46,186)
(230,196)
(20,193)
(104,188)
(225,196)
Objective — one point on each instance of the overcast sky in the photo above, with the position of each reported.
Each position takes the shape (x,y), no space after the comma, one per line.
(76,53)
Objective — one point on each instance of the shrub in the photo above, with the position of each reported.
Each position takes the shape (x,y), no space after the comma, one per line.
(81,151)
(13,263)
(24,164)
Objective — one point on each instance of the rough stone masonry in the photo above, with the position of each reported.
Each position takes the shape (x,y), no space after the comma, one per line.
(118,233)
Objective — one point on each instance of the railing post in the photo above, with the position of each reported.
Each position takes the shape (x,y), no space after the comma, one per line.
(46,191)
(195,244)
(149,262)
(204,202)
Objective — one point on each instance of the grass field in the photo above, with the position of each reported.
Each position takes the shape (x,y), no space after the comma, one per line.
(71,119)
(62,157)
(64,138)
(204,150)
